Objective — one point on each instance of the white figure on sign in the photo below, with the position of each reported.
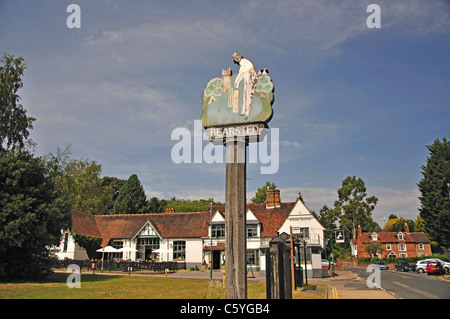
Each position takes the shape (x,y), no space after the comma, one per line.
(248,74)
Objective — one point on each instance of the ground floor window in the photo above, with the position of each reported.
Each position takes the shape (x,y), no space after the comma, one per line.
(117,244)
(146,246)
(179,250)
(252,257)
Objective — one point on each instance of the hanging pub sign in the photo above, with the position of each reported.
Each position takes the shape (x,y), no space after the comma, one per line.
(340,236)
(238,105)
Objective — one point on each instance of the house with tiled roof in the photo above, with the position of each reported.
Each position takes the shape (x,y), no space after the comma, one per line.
(400,244)
(187,237)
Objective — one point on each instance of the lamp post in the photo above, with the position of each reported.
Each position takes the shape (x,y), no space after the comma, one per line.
(210,242)
(306,270)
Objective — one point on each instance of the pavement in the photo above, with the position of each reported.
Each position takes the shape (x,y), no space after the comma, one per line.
(348,285)
(344,285)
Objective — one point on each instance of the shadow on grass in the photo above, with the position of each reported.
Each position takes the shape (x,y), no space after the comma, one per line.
(61,278)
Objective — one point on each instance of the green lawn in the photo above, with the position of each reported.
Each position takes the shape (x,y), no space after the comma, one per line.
(128,287)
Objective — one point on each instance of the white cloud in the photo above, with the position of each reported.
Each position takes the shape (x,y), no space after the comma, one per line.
(292,144)
(402,202)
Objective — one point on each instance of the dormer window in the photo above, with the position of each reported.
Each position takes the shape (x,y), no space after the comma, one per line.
(400,236)
(374,237)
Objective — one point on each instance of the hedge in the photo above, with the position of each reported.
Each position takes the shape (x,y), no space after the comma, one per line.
(412,260)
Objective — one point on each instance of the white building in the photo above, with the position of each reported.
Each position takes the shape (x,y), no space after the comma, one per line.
(187,237)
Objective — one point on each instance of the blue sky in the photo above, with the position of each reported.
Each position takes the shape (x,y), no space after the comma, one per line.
(349,100)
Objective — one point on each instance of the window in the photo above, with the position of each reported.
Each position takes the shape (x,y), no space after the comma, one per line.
(374,237)
(66,241)
(421,246)
(402,247)
(400,236)
(179,250)
(304,233)
(388,247)
(218,231)
(252,257)
(145,247)
(252,231)
(117,244)
(152,243)
(403,255)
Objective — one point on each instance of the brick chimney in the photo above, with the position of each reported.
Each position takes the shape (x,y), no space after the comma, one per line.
(272,198)
(406,228)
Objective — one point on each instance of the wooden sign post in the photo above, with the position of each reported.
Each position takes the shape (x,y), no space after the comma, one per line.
(235,221)
(235,111)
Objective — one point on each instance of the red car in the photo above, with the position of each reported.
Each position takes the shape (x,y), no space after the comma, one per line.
(435,267)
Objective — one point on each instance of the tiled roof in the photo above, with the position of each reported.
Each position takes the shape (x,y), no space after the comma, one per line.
(420,237)
(181,225)
(171,225)
(176,225)
(85,224)
(392,237)
(271,219)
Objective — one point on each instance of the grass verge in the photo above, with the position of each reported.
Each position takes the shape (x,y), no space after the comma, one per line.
(131,287)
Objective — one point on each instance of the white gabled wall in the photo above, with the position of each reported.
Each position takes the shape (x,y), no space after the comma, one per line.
(73,251)
(300,216)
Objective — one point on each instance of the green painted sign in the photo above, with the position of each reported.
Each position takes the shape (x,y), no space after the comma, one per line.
(235,99)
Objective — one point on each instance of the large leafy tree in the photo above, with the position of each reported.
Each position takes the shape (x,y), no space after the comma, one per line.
(80,183)
(131,198)
(435,197)
(14,122)
(32,214)
(355,207)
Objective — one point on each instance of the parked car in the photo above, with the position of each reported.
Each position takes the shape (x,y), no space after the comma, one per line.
(326,263)
(421,265)
(445,264)
(435,267)
(380,265)
(404,266)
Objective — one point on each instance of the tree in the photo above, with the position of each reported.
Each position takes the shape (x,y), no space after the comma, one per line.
(32,214)
(79,182)
(260,195)
(395,224)
(109,191)
(328,217)
(131,198)
(187,205)
(154,205)
(373,248)
(354,208)
(419,224)
(435,198)
(14,123)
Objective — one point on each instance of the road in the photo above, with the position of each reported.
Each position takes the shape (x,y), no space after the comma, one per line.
(410,285)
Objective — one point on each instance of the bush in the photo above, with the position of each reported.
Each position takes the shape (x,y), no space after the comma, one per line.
(31,217)
(411,260)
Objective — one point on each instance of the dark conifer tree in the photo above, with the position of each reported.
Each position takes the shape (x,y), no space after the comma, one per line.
(435,197)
